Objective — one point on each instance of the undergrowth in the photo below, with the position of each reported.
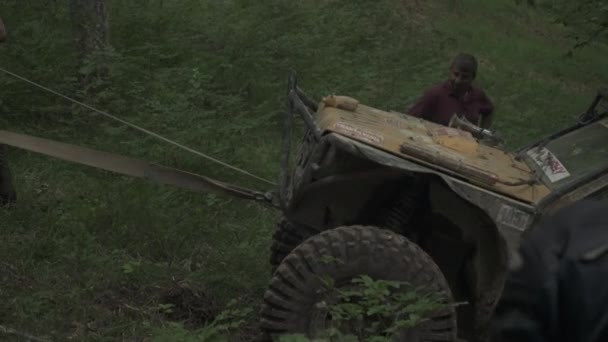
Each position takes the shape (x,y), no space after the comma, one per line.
(367,311)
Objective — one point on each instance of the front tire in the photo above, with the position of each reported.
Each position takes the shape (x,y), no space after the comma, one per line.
(290,302)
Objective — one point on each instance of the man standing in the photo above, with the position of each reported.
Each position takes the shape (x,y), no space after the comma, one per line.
(7,190)
(456,95)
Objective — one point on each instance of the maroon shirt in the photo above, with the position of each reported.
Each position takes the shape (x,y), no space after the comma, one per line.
(439,103)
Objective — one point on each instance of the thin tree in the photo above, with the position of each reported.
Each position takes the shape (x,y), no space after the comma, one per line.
(91,34)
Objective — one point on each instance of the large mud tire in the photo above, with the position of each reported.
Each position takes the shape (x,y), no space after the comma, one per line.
(286,237)
(290,301)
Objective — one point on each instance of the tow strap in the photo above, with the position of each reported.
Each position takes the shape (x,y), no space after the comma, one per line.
(131,167)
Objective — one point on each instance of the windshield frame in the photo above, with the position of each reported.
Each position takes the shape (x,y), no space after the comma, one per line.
(548,163)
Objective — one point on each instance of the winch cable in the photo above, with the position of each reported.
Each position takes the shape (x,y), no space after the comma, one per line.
(158,136)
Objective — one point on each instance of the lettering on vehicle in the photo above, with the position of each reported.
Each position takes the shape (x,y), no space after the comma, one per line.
(396,122)
(356,132)
(551,166)
(403,123)
(513,217)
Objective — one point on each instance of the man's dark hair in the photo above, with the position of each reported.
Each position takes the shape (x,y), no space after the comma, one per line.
(465,62)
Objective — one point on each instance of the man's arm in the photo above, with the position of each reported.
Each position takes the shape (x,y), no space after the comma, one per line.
(2,31)
(424,105)
(486,110)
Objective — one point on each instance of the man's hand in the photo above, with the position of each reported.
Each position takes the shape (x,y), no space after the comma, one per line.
(2,31)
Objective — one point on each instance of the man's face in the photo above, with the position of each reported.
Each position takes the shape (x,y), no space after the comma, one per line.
(460,79)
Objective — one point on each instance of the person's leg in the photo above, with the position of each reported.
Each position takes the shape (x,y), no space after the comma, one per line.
(7,190)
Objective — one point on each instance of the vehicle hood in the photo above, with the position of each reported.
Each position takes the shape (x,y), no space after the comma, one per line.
(448,150)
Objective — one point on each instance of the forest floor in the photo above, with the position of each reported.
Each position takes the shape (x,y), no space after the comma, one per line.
(91,255)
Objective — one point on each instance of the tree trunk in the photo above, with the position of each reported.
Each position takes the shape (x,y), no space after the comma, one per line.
(91,39)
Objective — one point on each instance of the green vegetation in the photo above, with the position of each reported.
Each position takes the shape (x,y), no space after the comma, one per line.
(98,256)
(374,310)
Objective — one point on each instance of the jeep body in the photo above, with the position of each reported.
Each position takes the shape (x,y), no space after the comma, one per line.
(466,203)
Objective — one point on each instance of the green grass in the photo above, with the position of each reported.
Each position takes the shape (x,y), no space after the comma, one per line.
(95,254)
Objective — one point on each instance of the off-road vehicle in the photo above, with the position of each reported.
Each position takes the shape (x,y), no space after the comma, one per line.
(394,197)
(397,197)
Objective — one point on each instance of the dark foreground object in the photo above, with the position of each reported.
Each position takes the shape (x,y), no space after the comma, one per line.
(558,291)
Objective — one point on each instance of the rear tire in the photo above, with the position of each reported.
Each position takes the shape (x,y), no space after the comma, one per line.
(290,301)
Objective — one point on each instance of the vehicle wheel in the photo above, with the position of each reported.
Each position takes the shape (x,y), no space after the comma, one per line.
(296,288)
(285,239)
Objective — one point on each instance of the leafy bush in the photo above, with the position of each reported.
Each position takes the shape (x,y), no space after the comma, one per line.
(220,329)
(372,310)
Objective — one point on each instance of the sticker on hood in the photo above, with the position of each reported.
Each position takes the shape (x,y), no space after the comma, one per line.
(548,162)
